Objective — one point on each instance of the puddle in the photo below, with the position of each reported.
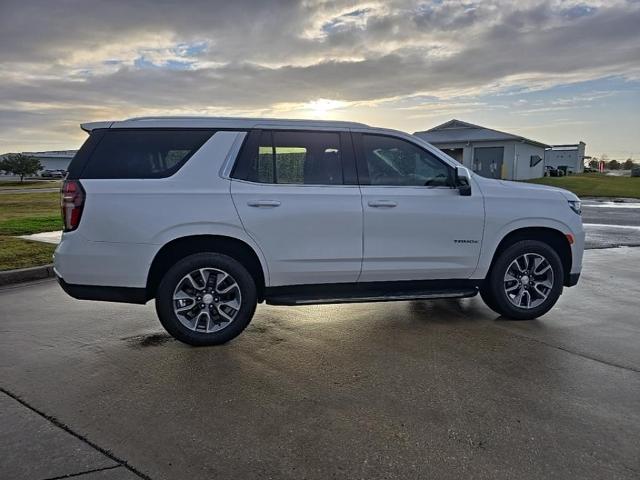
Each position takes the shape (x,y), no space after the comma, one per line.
(150,340)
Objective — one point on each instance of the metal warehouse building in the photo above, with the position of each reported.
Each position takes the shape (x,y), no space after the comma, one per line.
(570,157)
(53,160)
(490,153)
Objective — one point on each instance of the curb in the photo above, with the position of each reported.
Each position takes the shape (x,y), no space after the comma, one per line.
(26,274)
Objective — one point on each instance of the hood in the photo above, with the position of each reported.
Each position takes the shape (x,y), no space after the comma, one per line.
(532,188)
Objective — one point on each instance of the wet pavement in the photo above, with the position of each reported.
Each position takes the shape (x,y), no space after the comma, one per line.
(609,212)
(610,223)
(441,389)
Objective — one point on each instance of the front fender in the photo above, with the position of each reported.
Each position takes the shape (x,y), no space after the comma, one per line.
(493,237)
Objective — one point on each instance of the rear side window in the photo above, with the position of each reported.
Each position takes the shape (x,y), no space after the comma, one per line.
(304,158)
(143,153)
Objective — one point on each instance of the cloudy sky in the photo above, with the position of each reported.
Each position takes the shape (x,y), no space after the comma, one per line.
(557,71)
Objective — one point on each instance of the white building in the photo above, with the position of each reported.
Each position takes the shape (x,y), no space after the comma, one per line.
(569,156)
(490,153)
(53,160)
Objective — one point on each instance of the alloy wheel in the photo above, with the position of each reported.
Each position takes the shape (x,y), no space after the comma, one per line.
(207,300)
(528,280)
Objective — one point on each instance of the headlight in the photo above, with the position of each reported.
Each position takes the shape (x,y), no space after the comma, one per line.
(576,206)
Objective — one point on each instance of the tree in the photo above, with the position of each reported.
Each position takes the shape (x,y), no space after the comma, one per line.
(628,164)
(613,165)
(20,164)
(594,164)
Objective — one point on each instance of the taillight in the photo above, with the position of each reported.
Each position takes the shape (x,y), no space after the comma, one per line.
(71,204)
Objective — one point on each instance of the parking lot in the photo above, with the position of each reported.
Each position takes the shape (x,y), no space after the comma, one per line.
(440,389)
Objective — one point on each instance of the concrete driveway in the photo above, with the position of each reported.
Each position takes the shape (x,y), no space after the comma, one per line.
(440,389)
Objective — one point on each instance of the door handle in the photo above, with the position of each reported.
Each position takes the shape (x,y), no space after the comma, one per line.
(382,204)
(264,203)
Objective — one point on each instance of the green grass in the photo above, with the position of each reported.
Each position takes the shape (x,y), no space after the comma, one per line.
(29,225)
(29,205)
(23,214)
(595,185)
(31,184)
(19,253)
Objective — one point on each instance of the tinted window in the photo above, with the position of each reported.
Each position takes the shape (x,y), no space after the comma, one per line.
(264,168)
(312,158)
(143,153)
(392,161)
(82,156)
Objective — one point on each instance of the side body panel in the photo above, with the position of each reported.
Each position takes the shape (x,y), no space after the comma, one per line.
(430,233)
(310,234)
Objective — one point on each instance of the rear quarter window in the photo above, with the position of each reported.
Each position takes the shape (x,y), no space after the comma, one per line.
(143,153)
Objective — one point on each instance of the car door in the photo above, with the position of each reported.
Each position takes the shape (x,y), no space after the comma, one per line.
(416,224)
(297,196)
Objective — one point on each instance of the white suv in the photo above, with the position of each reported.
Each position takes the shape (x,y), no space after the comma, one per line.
(211,215)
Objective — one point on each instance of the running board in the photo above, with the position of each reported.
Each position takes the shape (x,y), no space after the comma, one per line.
(360,297)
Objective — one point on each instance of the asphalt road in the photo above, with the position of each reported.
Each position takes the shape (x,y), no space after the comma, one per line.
(611,213)
(611,224)
(440,389)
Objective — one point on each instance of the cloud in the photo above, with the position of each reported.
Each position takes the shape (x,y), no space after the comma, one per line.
(66,62)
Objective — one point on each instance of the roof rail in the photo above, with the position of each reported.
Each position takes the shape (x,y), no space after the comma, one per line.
(252,119)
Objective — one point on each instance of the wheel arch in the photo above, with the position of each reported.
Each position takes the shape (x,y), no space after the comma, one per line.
(182,247)
(551,236)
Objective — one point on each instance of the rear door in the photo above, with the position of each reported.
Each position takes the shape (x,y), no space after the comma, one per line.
(416,224)
(297,196)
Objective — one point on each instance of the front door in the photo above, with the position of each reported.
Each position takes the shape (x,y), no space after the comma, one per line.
(297,197)
(416,224)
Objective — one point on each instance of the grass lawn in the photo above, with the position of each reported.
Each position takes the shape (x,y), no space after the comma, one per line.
(19,253)
(23,214)
(595,185)
(31,184)
(29,225)
(26,213)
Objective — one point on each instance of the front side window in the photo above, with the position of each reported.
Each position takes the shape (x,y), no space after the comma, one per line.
(304,158)
(143,153)
(395,162)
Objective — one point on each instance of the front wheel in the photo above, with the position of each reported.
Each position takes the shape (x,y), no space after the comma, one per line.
(206,299)
(525,281)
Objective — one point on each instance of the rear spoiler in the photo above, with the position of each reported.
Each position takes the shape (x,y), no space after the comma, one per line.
(88,127)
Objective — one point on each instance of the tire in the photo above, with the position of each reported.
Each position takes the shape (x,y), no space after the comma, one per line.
(538,276)
(225,314)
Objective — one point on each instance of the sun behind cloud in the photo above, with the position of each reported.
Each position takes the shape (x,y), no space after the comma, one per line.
(321,107)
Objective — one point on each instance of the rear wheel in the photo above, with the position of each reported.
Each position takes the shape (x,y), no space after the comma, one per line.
(525,281)
(206,299)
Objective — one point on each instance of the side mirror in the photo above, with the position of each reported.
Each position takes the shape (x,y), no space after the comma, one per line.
(463,181)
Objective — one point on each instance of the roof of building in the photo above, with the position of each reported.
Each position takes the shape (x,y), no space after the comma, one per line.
(573,146)
(457,131)
(217,122)
(52,154)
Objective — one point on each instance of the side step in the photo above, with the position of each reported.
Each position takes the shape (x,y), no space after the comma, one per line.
(308,296)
